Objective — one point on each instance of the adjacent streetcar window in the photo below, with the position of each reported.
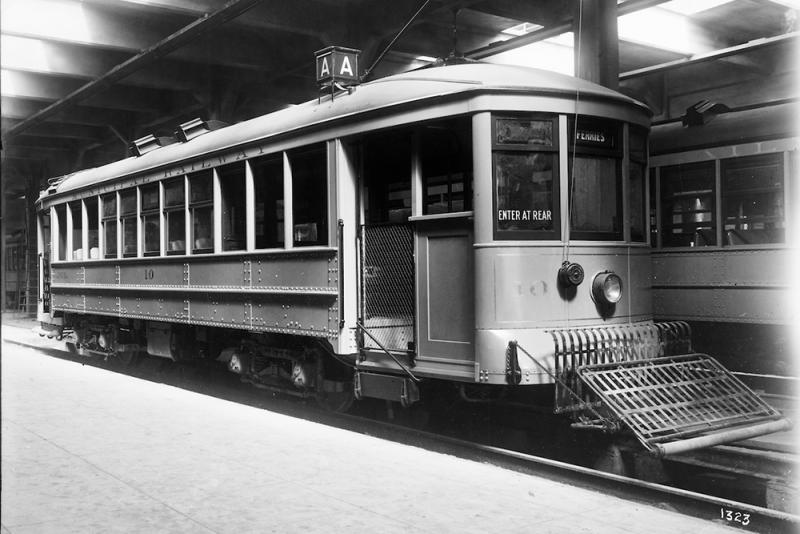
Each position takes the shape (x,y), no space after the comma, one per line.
(175,216)
(310,195)
(525,170)
(268,184)
(109,210)
(688,205)
(201,209)
(752,200)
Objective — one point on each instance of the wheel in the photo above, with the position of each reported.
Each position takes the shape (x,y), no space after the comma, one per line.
(124,359)
(339,399)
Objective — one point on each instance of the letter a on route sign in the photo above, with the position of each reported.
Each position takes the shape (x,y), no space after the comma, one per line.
(346,68)
(324,69)
(337,65)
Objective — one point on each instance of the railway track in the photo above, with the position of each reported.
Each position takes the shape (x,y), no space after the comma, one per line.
(742,515)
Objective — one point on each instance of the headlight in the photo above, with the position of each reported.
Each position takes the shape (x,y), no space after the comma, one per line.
(607,288)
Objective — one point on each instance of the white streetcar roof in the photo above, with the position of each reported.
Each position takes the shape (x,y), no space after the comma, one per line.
(414,87)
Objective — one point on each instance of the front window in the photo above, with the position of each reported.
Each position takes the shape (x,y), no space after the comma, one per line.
(595,159)
(525,161)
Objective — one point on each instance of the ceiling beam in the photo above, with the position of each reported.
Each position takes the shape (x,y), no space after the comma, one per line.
(106,27)
(714,56)
(273,16)
(49,89)
(547,32)
(232,9)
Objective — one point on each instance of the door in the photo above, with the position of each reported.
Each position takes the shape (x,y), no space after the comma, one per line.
(387,289)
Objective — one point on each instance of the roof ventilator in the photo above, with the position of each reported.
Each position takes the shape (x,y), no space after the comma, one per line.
(148,143)
(702,112)
(197,127)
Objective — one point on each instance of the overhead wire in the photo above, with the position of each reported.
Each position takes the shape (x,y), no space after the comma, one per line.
(571,166)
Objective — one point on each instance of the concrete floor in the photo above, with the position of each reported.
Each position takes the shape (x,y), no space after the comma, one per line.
(87,450)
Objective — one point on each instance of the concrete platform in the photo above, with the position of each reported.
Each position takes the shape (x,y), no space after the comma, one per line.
(88,450)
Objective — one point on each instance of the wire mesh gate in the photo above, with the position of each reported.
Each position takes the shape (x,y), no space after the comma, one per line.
(387,286)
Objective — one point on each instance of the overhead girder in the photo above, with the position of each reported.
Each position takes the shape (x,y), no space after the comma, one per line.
(66,131)
(49,89)
(124,29)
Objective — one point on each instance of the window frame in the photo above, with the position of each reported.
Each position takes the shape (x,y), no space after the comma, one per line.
(105,219)
(260,186)
(633,160)
(775,159)
(168,210)
(323,238)
(616,153)
(150,212)
(499,234)
(201,204)
(665,228)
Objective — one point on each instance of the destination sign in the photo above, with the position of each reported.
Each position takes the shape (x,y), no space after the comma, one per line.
(337,64)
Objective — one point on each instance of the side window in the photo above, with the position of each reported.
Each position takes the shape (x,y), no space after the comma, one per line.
(310,195)
(525,168)
(231,181)
(636,183)
(387,177)
(151,219)
(653,212)
(175,216)
(753,200)
(109,203)
(92,222)
(61,221)
(688,205)
(446,158)
(127,215)
(268,182)
(201,209)
(76,209)
(595,158)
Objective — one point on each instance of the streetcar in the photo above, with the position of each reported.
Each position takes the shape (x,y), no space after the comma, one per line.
(477,224)
(721,205)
